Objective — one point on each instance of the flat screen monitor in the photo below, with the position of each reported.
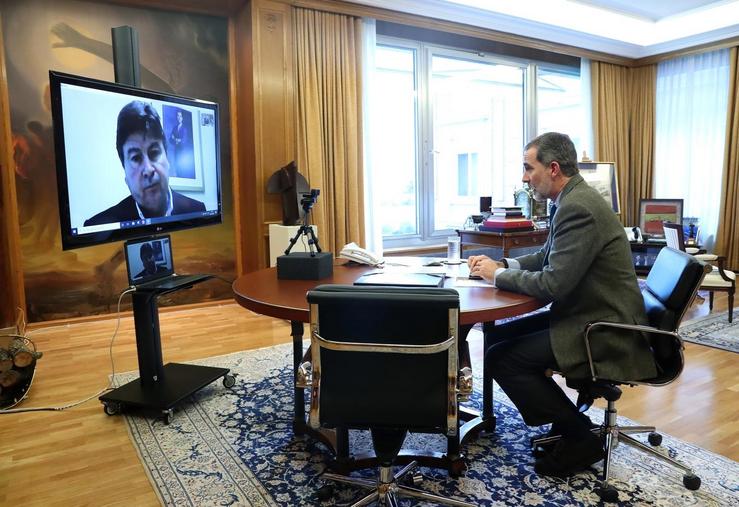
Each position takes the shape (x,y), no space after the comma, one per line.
(132,162)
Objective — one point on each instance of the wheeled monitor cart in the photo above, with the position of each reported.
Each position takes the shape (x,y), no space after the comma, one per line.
(160,386)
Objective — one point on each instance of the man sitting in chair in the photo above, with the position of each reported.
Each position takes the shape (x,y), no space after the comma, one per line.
(585,269)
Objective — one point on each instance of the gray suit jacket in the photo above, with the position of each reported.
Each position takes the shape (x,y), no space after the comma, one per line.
(585,268)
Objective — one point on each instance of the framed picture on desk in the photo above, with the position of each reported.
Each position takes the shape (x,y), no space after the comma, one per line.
(653,212)
(602,177)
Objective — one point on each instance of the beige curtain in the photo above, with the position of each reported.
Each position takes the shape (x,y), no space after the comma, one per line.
(638,181)
(329,122)
(727,237)
(623,126)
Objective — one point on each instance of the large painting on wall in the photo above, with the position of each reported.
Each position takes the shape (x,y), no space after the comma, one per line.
(180,53)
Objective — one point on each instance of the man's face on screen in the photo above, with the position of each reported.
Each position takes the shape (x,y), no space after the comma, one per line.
(147,258)
(147,172)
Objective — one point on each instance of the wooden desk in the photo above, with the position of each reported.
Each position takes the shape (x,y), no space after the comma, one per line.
(262,292)
(644,254)
(506,240)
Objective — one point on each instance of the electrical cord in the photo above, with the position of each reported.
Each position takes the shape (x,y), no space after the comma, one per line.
(110,352)
(102,391)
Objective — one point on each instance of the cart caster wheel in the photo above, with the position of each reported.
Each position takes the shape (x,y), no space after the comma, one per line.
(168,415)
(325,493)
(412,479)
(415,479)
(692,482)
(229,381)
(111,408)
(608,494)
(654,438)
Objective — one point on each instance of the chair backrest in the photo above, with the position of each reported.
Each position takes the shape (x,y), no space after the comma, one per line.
(674,235)
(670,288)
(367,369)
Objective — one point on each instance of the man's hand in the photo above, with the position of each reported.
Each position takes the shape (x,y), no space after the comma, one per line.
(484,266)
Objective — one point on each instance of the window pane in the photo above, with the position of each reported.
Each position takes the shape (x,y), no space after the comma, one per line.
(394,140)
(559,104)
(477,116)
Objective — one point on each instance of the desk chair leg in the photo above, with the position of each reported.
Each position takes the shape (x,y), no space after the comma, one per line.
(387,488)
(639,445)
(614,434)
(607,492)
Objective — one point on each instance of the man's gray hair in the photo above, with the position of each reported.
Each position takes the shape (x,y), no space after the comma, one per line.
(553,146)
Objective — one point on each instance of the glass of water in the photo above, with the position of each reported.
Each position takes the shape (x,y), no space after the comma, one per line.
(453,250)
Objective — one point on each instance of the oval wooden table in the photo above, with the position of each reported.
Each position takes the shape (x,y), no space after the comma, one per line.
(262,292)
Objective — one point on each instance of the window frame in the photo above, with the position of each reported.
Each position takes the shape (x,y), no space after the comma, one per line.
(424,52)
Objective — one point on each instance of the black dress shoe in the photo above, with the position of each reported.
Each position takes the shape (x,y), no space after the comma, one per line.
(540,450)
(570,456)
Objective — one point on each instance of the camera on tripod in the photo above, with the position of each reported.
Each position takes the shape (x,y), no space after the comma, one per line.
(309,199)
(311,265)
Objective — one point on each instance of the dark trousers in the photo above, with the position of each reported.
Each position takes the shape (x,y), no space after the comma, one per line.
(520,355)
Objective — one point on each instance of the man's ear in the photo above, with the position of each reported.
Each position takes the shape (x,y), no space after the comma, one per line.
(556,170)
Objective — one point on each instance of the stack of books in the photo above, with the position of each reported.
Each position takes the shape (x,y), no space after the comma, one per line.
(507,212)
(507,224)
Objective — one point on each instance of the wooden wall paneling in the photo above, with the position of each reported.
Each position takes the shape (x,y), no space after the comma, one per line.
(242,140)
(12,293)
(274,107)
(263,126)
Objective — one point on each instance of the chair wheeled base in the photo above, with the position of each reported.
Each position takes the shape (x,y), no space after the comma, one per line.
(611,434)
(387,489)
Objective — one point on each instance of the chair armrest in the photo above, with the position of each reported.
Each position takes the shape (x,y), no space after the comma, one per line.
(385,347)
(706,257)
(618,325)
(721,262)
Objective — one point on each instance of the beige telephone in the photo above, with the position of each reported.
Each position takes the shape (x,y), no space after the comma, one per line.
(355,253)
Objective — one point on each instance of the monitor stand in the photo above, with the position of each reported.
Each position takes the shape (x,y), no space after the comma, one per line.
(160,386)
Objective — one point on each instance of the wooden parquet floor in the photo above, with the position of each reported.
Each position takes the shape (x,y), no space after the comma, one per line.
(81,456)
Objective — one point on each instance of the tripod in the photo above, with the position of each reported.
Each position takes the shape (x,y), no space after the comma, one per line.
(307,231)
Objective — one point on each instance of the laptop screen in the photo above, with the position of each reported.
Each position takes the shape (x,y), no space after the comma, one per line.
(148,259)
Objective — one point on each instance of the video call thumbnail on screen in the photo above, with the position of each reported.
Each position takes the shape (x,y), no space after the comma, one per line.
(132,160)
(148,258)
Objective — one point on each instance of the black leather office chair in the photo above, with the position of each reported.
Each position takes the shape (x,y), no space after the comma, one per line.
(670,288)
(385,359)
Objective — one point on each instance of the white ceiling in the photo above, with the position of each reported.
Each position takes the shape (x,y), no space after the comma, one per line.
(634,29)
(652,10)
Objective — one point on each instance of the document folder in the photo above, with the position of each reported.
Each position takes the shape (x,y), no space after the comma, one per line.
(401,279)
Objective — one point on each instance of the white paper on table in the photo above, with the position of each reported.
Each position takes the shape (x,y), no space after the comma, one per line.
(463,281)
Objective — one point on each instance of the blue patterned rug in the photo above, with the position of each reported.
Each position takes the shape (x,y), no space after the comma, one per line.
(236,447)
(713,330)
